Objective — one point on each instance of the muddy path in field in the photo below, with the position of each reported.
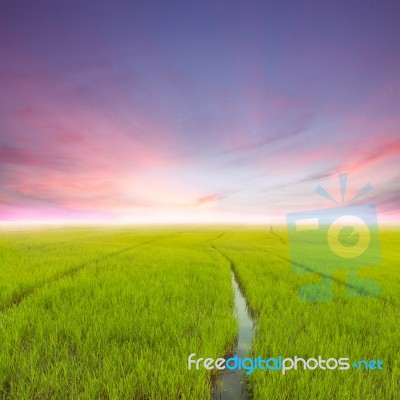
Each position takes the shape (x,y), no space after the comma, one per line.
(360,290)
(231,385)
(70,272)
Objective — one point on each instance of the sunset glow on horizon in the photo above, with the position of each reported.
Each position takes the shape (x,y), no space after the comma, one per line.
(196,111)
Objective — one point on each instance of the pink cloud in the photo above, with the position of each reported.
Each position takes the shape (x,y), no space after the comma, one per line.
(209,200)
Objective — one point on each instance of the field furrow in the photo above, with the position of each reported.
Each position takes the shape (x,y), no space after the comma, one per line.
(122,327)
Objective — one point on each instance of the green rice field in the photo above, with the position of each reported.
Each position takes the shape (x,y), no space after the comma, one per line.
(114,313)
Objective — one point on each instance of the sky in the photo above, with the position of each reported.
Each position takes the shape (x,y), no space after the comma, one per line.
(196,111)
